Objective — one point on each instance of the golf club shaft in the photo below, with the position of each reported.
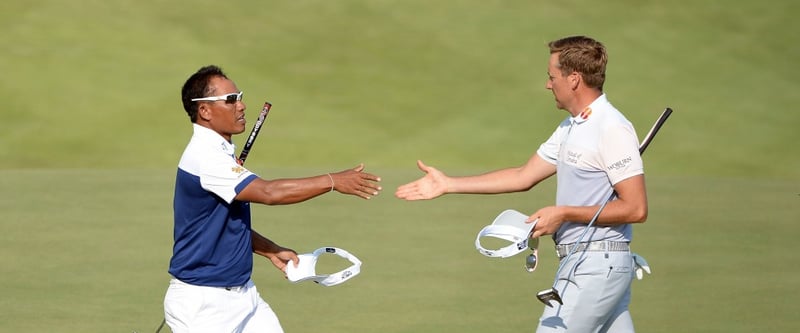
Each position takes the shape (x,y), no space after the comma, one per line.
(254,133)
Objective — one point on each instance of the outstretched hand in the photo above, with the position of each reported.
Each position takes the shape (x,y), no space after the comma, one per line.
(356,182)
(432,185)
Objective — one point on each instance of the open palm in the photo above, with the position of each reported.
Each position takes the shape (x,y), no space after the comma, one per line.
(430,186)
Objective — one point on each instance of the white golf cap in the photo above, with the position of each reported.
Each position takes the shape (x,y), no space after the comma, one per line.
(509,225)
(306,267)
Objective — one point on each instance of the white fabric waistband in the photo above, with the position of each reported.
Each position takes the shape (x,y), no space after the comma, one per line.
(243,287)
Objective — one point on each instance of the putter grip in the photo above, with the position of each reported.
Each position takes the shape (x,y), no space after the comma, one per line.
(254,133)
(657,126)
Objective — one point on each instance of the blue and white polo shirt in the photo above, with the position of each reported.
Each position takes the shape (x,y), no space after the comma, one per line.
(212,231)
(592,152)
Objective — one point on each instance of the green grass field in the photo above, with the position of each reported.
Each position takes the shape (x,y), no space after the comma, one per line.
(92,128)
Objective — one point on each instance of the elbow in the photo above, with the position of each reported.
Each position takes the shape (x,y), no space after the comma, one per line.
(272,200)
(271,203)
(269,198)
(640,215)
(524,187)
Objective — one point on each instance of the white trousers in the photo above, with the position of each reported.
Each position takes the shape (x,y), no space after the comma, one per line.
(596,294)
(198,309)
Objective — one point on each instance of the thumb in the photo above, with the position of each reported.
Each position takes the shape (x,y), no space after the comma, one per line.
(422,166)
(359,168)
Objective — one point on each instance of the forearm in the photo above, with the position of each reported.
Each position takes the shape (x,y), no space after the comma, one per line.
(290,191)
(615,212)
(263,246)
(507,180)
(285,191)
(499,181)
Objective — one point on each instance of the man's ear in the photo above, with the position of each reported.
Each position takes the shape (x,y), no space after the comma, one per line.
(204,112)
(575,79)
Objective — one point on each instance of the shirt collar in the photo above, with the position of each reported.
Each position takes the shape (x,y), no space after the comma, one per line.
(214,137)
(589,110)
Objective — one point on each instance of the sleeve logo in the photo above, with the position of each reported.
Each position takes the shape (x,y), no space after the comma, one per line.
(621,164)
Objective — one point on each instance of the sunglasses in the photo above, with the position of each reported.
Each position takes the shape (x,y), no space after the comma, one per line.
(229,98)
(533,259)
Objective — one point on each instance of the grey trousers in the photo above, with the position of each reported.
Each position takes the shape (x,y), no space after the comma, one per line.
(596,293)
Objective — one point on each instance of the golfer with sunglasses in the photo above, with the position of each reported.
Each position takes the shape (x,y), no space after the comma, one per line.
(212,261)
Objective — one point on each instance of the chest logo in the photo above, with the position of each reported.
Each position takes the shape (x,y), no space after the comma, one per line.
(573,157)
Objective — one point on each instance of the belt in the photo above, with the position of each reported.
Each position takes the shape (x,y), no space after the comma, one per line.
(563,249)
(235,288)
(228,288)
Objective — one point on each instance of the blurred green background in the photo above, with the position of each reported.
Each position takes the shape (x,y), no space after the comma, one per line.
(92,128)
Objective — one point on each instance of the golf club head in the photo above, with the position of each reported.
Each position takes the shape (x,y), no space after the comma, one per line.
(545,296)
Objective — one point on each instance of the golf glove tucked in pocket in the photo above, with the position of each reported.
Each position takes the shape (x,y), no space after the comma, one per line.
(640,266)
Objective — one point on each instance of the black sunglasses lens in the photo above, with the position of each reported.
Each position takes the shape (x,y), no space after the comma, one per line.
(232,98)
(530,262)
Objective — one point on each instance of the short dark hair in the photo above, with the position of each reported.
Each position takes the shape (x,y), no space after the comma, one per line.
(583,55)
(197,86)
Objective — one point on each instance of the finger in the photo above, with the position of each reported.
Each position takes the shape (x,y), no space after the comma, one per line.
(406,192)
(400,194)
(406,189)
(359,168)
(370,177)
(370,190)
(361,193)
(373,186)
